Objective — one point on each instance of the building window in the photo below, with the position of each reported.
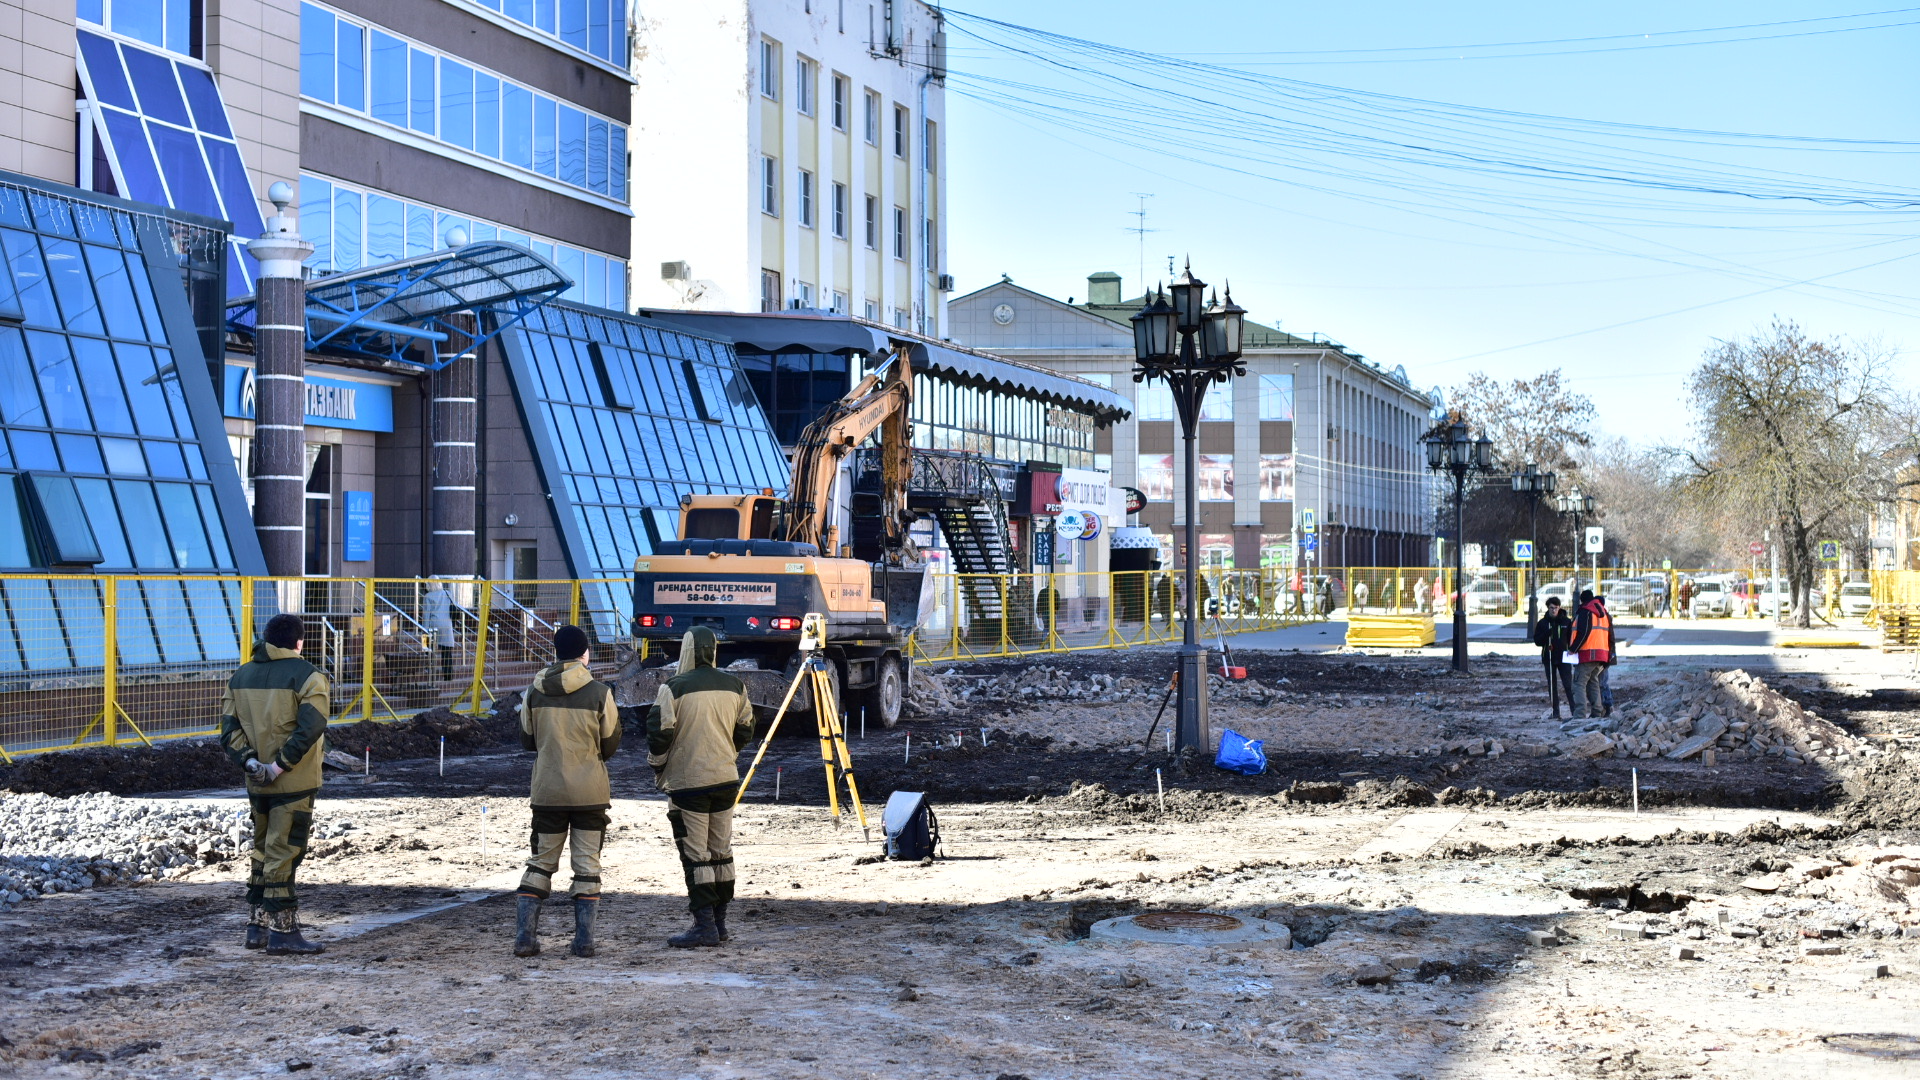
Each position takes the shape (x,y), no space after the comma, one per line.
(770,185)
(840,303)
(805,78)
(842,101)
(928,235)
(840,211)
(1155,477)
(927,143)
(873,223)
(806,199)
(873,118)
(1276,397)
(770,290)
(900,317)
(900,232)
(870,310)
(163,24)
(1216,477)
(900,131)
(1218,403)
(769,69)
(1276,477)
(803,294)
(1154,401)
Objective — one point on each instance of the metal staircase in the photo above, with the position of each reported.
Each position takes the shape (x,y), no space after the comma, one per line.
(976,536)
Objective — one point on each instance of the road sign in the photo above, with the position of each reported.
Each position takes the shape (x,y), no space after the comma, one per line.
(1666,564)
(1757,548)
(1310,542)
(1523,551)
(1306,523)
(1830,550)
(1596,539)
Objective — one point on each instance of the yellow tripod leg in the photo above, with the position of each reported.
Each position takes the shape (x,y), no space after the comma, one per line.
(768,741)
(823,709)
(846,768)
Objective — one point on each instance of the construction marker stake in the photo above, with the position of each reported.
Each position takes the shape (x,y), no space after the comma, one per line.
(366,765)
(1636,791)
(863,723)
(776,782)
(483,830)
(909,758)
(1161,784)
(983,738)
(443,755)
(1169,742)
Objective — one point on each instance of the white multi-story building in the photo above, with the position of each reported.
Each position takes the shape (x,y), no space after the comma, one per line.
(790,153)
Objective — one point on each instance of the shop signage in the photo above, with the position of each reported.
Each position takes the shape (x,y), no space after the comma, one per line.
(334,403)
(359,538)
(1070,524)
(713,592)
(1136,500)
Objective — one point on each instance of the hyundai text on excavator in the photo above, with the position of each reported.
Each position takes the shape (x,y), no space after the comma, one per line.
(751,566)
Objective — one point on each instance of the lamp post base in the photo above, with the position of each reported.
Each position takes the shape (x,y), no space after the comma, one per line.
(1191,727)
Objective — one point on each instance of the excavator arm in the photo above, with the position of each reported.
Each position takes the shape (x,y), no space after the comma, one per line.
(879,402)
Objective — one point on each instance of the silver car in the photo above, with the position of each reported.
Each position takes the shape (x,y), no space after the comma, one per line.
(1490,595)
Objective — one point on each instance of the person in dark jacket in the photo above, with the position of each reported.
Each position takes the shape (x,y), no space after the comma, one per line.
(572,723)
(273,723)
(1552,634)
(699,723)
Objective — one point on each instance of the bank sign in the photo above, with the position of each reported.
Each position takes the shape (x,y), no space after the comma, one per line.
(333,403)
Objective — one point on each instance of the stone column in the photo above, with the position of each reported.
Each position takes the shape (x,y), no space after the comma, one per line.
(456,413)
(279,390)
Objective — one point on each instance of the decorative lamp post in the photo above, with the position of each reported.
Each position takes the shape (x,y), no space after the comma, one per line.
(1535,485)
(1191,344)
(1453,450)
(1579,504)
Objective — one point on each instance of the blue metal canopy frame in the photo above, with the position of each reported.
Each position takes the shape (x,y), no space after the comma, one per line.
(382,311)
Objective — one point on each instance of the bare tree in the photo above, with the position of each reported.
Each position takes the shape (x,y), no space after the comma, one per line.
(1803,435)
(1648,516)
(1538,419)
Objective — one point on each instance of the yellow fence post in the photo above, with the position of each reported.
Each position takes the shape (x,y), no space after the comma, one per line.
(367,621)
(245,621)
(573,604)
(110,678)
(480,647)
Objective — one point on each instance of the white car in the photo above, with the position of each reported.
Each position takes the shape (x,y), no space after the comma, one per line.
(1711,597)
(1856,599)
(1490,595)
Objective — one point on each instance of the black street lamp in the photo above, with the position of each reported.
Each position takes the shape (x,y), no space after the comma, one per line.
(1192,345)
(1454,450)
(1579,504)
(1535,485)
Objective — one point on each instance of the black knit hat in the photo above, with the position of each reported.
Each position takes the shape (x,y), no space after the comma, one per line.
(569,643)
(284,631)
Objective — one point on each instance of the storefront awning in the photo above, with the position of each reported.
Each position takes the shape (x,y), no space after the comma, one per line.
(839,334)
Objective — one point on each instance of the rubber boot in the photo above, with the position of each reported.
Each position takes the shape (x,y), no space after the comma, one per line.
(257,928)
(584,909)
(702,934)
(720,921)
(526,940)
(284,938)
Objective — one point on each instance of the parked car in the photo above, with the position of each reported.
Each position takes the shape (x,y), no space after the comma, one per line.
(1856,599)
(1627,596)
(1711,596)
(1490,595)
(1777,592)
(1658,601)
(1568,591)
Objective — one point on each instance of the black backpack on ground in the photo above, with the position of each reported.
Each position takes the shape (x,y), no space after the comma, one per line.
(911,829)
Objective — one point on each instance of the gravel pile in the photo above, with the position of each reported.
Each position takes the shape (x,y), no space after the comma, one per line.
(52,845)
(1044,683)
(1735,715)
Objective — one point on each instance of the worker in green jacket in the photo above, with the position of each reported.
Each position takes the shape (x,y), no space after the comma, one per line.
(572,723)
(699,723)
(273,723)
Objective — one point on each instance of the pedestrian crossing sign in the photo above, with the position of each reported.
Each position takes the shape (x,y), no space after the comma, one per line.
(1830,550)
(1523,551)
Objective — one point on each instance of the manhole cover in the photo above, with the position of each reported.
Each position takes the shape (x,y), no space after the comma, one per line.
(1186,920)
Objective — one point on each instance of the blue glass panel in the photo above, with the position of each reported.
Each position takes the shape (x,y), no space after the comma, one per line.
(573,263)
(486,115)
(616,284)
(573,23)
(94,359)
(123,456)
(484,233)
(170,390)
(596,281)
(240,272)
(597,154)
(108,268)
(144,394)
(13,549)
(236,190)
(143,292)
(214,604)
(32,604)
(350,54)
(51,214)
(456,103)
(542,249)
(167,604)
(205,99)
(59,380)
(543,14)
(68,272)
(420,239)
(30,278)
(389,67)
(135,637)
(196,461)
(163,459)
(155,86)
(386,229)
(103,67)
(93,11)
(180,26)
(190,548)
(573,146)
(140,178)
(316,52)
(598,20)
(316,220)
(79,453)
(518,9)
(145,536)
(82,618)
(617,162)
(97,500)
(141,22)
(13,208)
(96,223)
(420,90)
(545,153)
(34,450)
(516,126)
(346,229)
(215,529)
(186,171)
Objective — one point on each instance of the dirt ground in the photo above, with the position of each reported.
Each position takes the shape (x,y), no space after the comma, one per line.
(1409,878)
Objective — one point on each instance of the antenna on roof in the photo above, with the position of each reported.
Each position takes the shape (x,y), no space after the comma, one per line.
(1140,230)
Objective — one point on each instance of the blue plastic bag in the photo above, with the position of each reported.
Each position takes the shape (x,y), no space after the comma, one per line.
(1241,754)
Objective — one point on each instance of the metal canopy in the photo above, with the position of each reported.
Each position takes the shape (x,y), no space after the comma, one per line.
(382,311)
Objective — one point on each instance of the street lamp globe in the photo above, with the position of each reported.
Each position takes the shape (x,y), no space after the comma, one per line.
(1483,454)
(1459,446)
(1226,326)
(1155,333)
(1436,451)
(1189,300)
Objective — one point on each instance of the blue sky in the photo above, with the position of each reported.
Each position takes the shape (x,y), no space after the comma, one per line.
(1444,270)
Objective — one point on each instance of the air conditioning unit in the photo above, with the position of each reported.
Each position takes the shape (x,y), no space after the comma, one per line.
(675,271)
(946,282)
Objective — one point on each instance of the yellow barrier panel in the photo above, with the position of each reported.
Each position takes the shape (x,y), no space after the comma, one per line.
(1390,631)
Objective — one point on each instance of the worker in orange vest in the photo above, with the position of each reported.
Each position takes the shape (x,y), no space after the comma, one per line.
(1592,642)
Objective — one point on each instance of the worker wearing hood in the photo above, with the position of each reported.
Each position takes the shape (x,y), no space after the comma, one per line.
(699,723)
(571,721)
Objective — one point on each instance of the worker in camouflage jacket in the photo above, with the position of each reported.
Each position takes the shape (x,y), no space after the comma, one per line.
(273,723)
(571,722)
(699,723)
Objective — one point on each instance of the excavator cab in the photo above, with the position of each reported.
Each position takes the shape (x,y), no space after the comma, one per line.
(732,517)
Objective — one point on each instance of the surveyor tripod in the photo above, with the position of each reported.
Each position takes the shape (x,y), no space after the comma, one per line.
(833,736)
